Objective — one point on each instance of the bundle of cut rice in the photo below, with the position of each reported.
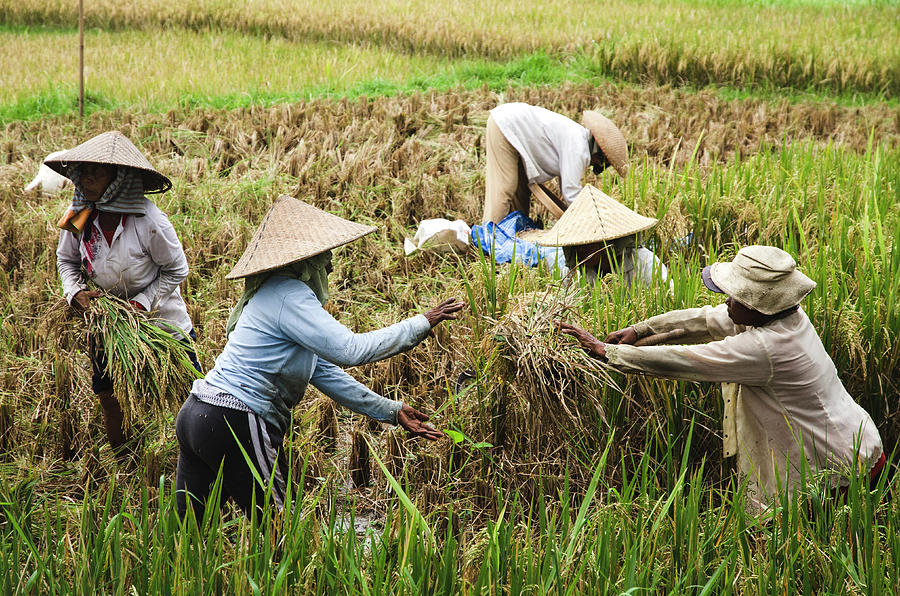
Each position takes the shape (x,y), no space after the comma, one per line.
(553,387)
(150,368)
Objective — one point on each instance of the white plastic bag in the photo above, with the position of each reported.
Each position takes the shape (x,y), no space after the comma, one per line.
(440,235)
(47,181)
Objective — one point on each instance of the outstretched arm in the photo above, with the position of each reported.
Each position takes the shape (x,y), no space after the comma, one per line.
(334,382)
(304,320)
(699,325)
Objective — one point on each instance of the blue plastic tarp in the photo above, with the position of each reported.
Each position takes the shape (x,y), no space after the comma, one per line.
(500,240)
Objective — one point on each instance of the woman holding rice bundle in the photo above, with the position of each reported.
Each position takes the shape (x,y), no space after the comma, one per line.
(119,240)
(785,406)
(280,340)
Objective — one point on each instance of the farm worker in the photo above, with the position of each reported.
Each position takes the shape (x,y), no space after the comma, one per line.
(119,240)
(599,235)
(528,144)
(784,402)
(281,339)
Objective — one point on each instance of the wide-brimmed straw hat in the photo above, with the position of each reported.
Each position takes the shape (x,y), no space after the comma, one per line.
(763,278)
(592,217)
(292,231)
(609,138)
(111,148)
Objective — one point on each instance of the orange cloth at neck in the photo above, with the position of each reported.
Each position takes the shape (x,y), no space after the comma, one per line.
(74,221)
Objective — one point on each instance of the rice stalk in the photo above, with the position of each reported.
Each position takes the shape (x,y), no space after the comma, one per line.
(150,369)
(555,380)
(360,462)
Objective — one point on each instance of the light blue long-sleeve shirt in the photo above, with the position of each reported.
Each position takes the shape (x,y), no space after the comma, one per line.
(285,340)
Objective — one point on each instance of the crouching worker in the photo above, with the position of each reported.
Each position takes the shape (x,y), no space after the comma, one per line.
(600,236)
(280,339)
(784,402)
(119,240)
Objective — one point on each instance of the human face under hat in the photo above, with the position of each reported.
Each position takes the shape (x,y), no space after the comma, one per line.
(599,162)
(95,179)
(762,283)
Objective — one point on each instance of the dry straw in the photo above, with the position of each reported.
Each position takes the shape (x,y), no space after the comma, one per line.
(549,388)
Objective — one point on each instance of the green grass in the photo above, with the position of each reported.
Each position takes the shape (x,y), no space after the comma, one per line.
(294,71)
(636,535)
(744,45)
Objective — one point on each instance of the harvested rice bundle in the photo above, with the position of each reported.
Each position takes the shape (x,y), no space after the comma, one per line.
(553,389)
(150,369)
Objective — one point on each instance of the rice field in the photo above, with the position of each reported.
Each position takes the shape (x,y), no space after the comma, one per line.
(744,44)
(156,69)
(557,478)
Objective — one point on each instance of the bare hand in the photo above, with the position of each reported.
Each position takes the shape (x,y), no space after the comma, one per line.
(414,422)
(590,344)
(622,336)
(447,309)
(137,306)
(82,299)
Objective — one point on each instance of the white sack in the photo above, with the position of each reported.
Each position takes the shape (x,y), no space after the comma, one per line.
(47,181)
(440,235)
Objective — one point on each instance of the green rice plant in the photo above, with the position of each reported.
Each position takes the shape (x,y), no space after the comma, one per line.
(635,535)
(150,367)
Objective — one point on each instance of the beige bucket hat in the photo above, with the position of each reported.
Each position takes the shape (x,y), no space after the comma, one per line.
(292,231)
(763,278)
(111,148)
(592,217)
(609,138)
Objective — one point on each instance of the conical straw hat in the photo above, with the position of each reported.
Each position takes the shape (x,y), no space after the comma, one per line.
(592,217)
(609,138)
(111,148)
(292,231)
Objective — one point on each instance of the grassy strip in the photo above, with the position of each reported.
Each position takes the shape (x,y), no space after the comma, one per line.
(37,88)
(695,43)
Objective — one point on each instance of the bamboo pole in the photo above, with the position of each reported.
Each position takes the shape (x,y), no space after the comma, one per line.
(81,58)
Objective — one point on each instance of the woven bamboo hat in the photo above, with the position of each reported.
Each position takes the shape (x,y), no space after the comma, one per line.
(292,231)
(112,148)
(764,278)
(609,138)
(592,217)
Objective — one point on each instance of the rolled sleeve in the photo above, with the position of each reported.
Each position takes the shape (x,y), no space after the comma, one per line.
(334,382)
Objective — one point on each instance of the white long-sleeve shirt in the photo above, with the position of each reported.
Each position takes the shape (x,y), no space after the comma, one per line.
(144,262)
(549,144)
(783,398)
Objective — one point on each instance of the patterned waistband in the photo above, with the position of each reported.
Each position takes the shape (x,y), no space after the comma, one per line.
(216,397)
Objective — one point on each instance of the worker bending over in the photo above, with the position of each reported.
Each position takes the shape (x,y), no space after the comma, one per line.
(528,144)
